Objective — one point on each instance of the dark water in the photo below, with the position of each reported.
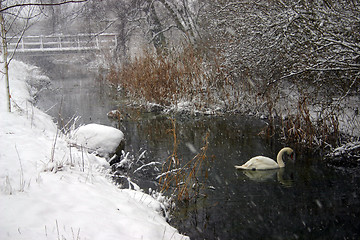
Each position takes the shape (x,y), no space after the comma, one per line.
(306,200)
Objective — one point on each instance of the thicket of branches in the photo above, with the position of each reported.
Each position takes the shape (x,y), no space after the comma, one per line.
(305,41)
(302,57)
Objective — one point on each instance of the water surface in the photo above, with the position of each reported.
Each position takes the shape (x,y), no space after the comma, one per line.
(306,200)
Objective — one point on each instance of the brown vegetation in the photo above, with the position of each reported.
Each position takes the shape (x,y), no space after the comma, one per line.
(181,75)
(184,179)
(301,128)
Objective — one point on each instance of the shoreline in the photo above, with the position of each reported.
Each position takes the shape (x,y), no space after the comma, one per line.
(51,190)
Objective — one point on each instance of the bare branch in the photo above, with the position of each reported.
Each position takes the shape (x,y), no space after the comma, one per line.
(41,4)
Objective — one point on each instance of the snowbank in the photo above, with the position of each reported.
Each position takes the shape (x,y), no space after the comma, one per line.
(50,190)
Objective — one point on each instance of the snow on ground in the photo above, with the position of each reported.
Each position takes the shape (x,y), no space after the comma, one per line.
(50,190)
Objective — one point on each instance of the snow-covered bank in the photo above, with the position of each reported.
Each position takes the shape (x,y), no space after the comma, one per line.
(50,190)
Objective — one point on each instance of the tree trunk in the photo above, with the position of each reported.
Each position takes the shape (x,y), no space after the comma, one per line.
(5,59)
(156,29)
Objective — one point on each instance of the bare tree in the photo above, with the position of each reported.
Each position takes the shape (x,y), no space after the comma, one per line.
(157,22)
(10,23)
(4,56)
(10,14)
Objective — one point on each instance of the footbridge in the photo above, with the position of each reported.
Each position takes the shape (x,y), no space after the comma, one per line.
(57,44)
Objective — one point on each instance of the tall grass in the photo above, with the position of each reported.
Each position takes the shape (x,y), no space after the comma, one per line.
(184,178)
(304,120)
(181,75)
(310,130)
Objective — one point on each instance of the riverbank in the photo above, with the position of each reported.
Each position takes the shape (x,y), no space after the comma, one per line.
(312,116)
(50,190)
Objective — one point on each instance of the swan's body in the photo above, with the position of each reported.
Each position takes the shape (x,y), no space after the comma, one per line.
(265,163)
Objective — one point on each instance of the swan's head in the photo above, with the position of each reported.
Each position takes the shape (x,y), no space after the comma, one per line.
(290,153)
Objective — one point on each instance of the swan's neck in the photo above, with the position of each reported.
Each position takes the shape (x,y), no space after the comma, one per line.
(280,158)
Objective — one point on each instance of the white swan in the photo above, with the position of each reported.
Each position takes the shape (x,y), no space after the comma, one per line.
(265,163)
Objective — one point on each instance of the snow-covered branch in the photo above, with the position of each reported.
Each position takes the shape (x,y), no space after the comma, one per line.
(147,165)
(168,172)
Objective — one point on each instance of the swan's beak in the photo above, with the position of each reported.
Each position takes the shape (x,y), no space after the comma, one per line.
(292,156)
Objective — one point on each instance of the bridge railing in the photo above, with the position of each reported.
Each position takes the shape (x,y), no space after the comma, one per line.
(62,43)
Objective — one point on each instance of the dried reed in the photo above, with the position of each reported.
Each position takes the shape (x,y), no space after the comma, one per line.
(167,79)
(301,128)
(184,180)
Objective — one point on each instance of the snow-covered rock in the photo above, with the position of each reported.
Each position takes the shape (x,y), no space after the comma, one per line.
(103,140)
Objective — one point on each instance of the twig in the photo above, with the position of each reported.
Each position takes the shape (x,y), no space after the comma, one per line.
(53,148)
(22,181)
(57,229)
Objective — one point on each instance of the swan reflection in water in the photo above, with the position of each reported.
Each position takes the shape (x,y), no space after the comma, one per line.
(264,176)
